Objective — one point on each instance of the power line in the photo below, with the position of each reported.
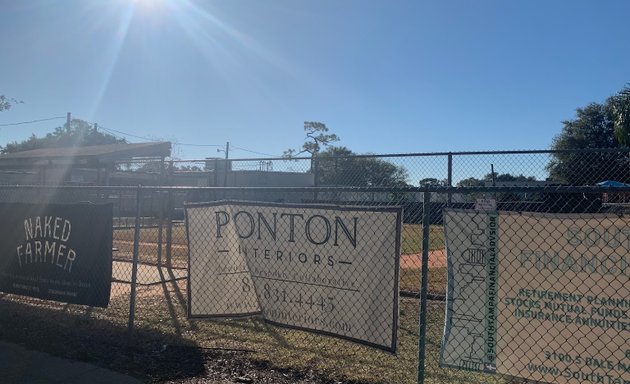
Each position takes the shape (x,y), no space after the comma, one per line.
(110,130)
(254,152)
(197,145)
(32,121)
(117,134)
(113,131)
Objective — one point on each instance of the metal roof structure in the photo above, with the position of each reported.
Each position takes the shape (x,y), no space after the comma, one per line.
(89,156)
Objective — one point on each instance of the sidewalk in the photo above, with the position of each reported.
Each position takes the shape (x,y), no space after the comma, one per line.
(19,365)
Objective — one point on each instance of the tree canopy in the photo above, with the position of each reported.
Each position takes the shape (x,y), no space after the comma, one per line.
(499,178)
(339,166)
(317,136)
(7,102)
(79,134)
(4,103)
(621,115)
(595,126)
(504,177)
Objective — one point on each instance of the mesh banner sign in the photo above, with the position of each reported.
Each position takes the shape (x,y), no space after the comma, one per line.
(60,252)
(544,297)
(327,269)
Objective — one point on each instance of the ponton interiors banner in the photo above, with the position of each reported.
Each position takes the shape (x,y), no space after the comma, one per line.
(328,269)
(59,252)
(540,296)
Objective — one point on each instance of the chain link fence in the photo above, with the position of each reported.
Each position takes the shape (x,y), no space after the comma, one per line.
(547,327)
(581,167)
(541,294)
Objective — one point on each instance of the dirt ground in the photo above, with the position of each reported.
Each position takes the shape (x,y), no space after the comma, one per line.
(194,365)
(437,259)
(234,367)
(225,366)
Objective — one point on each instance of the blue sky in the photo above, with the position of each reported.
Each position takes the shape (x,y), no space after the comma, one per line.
(387,76)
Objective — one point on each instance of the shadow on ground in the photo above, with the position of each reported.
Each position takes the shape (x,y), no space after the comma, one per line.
(99,336)
(76,332)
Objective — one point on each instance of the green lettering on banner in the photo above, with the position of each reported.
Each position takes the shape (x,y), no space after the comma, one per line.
(492,289)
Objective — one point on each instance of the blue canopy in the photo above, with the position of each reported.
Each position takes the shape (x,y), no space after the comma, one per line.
(612,183)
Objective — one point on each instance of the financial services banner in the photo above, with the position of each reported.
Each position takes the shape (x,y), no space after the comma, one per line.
(327,269)
(544,297)
(60,252)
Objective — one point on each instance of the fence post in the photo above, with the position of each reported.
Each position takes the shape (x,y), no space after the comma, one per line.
(160,239)
(450,179)
(169,228)
(424,282)
(134,265)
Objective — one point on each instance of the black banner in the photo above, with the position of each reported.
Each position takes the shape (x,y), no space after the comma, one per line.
(60,252)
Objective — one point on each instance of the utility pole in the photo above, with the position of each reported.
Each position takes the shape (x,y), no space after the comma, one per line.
(226,150)
(95,127)
(68,119)
(225,166)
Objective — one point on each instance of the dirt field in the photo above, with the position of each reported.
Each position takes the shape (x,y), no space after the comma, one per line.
(437,259)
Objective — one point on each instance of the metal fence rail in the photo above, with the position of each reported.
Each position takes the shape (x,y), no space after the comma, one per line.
(566,167)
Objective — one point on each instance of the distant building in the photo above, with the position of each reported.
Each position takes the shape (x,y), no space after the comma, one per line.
(132,164)
(90,165)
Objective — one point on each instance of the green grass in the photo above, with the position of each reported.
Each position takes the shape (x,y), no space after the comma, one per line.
(411,242)
(410,280)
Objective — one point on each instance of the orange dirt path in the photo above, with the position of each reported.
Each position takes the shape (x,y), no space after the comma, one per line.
(437,259)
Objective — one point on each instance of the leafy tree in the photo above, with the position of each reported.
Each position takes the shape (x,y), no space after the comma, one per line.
(499,178)
(4,103)
(78,134)
(471,182)
(7,102)
(341,166)
(621,116)
(504,177)
(317,136)
(593,127)
(507,177)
